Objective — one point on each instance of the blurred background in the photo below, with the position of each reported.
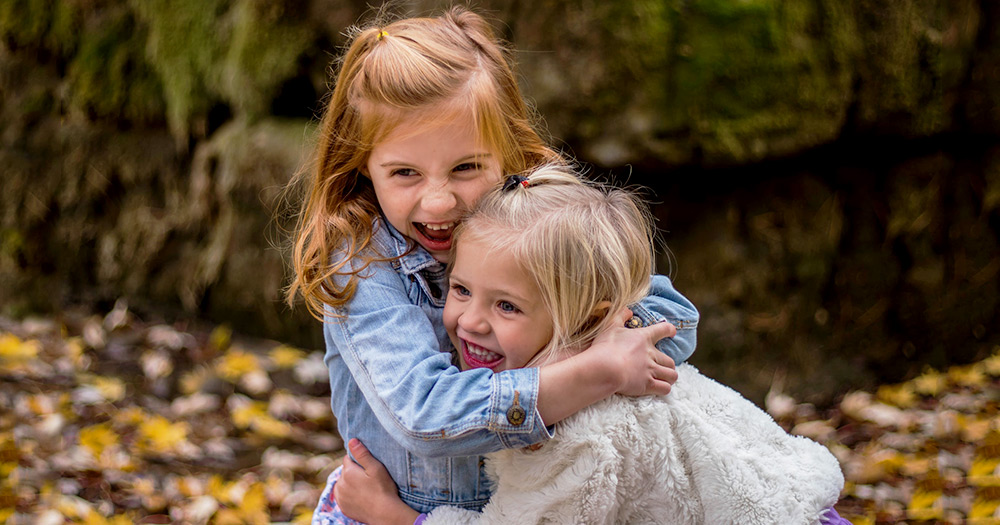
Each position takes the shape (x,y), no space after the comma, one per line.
(826,172)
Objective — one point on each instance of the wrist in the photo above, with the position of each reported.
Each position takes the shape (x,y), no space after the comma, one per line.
(402,515)
(606,373)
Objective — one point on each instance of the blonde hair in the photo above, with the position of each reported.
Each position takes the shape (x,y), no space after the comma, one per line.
(428,69)
(587,246)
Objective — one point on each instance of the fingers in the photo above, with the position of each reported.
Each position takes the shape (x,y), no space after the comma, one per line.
(664,373)
(623,316)
(661,330)
(667,374)
(361,454)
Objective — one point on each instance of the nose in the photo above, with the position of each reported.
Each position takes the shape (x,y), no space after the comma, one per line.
(440,199)
(473,321)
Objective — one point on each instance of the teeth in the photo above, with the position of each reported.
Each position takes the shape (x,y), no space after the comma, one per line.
(438,227)
(481,353)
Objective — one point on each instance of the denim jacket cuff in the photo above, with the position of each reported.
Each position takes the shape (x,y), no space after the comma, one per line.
(514,415)
(649,317)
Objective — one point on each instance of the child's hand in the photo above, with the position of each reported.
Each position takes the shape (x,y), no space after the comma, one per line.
(644,369)
(366,492)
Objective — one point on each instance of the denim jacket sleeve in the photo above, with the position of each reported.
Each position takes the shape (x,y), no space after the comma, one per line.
(666,303)
(431,408)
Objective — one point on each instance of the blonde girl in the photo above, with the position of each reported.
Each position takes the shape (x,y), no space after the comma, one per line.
(424,118)
(538,268)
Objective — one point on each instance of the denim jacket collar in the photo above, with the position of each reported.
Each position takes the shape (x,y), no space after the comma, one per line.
(410,261)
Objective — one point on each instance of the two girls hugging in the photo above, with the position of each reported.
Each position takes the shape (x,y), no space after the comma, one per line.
(481,298)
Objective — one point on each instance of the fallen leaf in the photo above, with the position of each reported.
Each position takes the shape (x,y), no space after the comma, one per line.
(160,435)
(96,438)
(13,350)
(235,363)
(286,356)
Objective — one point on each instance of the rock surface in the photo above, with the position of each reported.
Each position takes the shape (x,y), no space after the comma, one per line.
(828,169)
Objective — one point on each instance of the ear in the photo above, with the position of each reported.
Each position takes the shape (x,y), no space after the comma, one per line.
(600,309)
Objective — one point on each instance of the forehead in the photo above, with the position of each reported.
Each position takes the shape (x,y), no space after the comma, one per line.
(478,262)
(401,124)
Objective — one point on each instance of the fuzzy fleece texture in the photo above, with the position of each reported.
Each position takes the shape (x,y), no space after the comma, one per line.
(702,454)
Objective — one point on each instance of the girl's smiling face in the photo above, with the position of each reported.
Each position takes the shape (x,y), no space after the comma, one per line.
(426,176)
(494,313)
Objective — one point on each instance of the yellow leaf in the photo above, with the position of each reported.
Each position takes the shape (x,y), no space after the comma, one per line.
(143,487)
(160,435)
(286,356)
(303,516)
(968,375)
(901,395)
(111,388)
(219,489)
(235,363)
(922,499)
(193,381)
(228,517)
(92,517)
(924,505)
(14,350)
(982,467)
(244,415)
(75,351)
(131,416)
(96,438)
(255,416)
(220,337)
(860,520)
(930,383)
(991,365)
(269,427)
(253,500)
(975,430)
(917,466)
(983,508)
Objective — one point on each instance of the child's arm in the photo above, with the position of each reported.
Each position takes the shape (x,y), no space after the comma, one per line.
(366,492)
(664,303)
(389,347)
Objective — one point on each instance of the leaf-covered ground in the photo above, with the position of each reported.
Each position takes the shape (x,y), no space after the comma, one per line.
(107,419)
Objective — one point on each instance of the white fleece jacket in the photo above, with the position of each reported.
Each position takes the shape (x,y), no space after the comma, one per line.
(702,454)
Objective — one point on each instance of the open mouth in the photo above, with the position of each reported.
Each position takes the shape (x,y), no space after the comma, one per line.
(435,237)
(478,357)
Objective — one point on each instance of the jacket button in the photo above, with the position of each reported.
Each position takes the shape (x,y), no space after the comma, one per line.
(634,322)
(516,414)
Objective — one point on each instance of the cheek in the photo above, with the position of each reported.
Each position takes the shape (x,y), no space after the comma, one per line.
(450,317)
(478,187)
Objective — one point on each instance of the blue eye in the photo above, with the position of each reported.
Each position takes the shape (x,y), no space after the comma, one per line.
(467,166)
(508,307)
(460,290)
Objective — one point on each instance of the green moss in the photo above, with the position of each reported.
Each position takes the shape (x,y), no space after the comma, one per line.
(52,25)
(11,242)
(185,42)
(108,76)
(750,71)
(263,52)
(25,22)
(209,51)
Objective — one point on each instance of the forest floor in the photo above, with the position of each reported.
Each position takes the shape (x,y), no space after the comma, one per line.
(109,419)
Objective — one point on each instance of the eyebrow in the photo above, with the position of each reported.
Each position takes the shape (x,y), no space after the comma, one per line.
(521,301)
(466,158)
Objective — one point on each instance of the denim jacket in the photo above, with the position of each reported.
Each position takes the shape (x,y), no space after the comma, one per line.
(394,387)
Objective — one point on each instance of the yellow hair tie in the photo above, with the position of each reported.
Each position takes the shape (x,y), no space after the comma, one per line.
(381,34)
